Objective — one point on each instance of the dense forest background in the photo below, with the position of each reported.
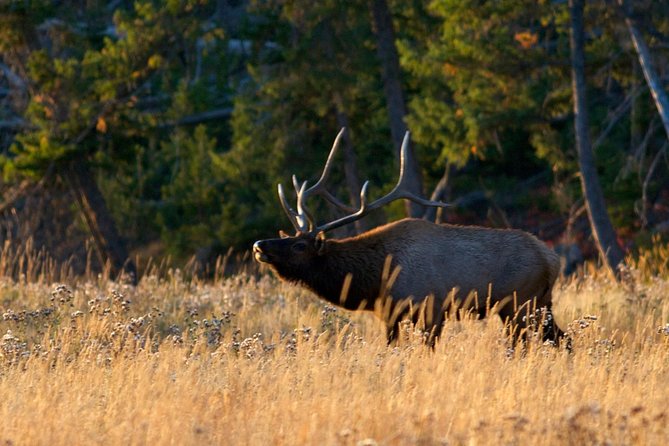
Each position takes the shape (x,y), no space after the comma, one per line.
(146,128)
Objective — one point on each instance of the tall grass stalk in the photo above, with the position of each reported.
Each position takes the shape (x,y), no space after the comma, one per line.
(245,359)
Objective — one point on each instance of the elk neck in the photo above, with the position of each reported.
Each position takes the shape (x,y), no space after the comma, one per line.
(362,258)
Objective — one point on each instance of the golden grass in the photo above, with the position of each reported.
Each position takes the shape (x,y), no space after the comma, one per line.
(255,361)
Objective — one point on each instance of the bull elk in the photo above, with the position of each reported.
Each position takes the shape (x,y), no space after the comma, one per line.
(435,265)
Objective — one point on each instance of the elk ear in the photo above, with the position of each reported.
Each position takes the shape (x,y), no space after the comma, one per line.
(320,243)
(283,234)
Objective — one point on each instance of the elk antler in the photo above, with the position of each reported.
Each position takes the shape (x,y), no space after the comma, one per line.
(399,191)
(303,220)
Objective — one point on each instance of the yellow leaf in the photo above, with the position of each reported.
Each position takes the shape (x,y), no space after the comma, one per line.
(154,61)
(101,126)
(449,69)
(526,39)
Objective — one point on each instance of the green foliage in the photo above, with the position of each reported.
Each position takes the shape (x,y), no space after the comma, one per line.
(492,82)
(102,90)
(304,73)
(481,71)
(488,88)
(190,215)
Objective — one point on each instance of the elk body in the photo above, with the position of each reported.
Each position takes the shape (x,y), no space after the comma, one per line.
(414,263)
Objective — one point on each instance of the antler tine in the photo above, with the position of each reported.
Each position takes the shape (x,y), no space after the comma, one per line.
(298,218)
(361,212)
(303,213)
(404,149)
(296,184)
(399,191)
(290,212)
(319,188)
(328,163)
(302,218)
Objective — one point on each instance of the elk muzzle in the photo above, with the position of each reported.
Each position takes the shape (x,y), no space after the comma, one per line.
(258,253)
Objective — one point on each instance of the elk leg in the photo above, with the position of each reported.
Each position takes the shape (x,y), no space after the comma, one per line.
(550,330)
(520,323)
(392,331)
(553,333)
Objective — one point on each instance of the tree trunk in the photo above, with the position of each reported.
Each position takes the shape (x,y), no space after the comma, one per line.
(110,246)
(652,79)
(636,130)
(392,86)
(441,192)
(602,229)
(350,164)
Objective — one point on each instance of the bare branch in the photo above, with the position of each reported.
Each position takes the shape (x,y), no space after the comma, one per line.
(645,60)
(14,79)
(616,115)
(440,192)
(646,183)
(198,118)
(15,194)
(24,188)
(15,124)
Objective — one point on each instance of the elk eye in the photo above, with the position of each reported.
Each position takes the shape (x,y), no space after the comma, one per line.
(299,246)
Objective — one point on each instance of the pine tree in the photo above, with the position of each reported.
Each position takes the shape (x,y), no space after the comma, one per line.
(92,77)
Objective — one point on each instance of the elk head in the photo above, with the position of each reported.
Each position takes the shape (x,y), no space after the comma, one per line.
(290,255)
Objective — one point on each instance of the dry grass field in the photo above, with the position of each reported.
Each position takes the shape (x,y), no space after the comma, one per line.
(249,360)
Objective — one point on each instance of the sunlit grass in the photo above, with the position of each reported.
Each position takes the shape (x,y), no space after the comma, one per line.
(250,360)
